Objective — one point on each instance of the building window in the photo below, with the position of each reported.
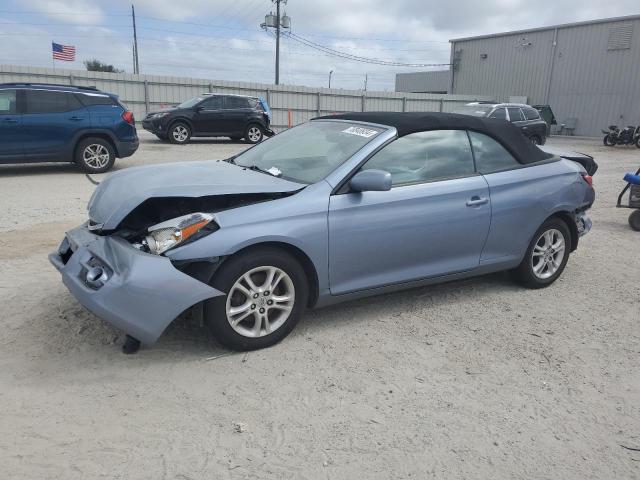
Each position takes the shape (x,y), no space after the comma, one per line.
(620,36)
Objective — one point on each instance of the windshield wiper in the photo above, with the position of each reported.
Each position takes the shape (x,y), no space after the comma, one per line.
(231,160)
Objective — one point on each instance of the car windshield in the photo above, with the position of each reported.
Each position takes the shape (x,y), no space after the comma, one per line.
(191,102)
(309,152)
(475,110)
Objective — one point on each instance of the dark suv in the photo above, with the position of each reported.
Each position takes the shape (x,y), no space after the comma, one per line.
(62,123)
(212,115)
(524,116)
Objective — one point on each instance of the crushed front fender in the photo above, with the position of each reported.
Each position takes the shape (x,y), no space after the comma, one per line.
(137,292)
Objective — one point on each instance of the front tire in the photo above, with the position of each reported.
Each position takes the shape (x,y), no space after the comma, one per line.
(634,220)
(546,256)
(254,133)
(266,293)
(179,133)
(608,141)
(95,155)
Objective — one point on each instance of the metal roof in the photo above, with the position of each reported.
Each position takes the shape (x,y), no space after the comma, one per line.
(551,27)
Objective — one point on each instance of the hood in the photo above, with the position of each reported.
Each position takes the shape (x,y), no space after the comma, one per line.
(123,191)
(164,110)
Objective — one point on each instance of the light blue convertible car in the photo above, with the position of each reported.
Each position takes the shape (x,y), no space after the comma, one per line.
(337,208)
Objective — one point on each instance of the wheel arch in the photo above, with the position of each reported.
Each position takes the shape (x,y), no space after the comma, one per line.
(173,121)
(297,253)
(569,219)
(95,134)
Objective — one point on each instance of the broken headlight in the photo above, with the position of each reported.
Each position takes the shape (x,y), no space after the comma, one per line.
(171,233)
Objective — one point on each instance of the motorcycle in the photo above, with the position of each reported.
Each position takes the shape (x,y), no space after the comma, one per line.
(626,136)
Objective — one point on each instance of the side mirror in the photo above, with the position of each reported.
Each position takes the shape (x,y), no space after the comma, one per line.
(200,108)
(371,181)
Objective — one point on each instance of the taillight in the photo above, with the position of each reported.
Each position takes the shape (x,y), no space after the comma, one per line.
(588,179)
(127,116)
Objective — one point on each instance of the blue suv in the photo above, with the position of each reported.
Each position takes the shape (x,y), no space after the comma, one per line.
(62,123)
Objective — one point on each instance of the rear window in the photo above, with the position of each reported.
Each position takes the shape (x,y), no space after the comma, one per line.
(236,102)
(49,101)
(490,155)
(7,101)
(531,113)
(90,99)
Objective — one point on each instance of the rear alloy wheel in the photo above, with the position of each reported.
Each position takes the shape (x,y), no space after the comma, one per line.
(634,220)
(179,133)
(95,155)
(266,295)
(254,134)
(546,256)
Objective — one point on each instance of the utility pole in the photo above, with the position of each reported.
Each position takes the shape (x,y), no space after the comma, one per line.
(366,79)
(330,72)
(278,41)
(278,22)
(136,65)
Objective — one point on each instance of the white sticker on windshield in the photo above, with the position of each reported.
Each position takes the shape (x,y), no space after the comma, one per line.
(360,131)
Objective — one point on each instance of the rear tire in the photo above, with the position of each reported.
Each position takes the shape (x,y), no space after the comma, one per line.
(546,256)
(634,220)
(637,142)
(254,133)
(94,155)
(259,313)
(179,133)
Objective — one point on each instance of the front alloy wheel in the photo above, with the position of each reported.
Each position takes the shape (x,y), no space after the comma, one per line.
(179,133)
(266,293)
(260,301)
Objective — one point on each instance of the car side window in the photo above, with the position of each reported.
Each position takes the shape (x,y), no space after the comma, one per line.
(89,99)
(425,157)
(7,102)
(499,113)
(515,115)
(490,155)
(46,101)
(531,113)
(213,103)
(234,103)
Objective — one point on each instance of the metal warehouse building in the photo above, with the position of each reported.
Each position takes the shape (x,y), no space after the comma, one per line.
(589,72)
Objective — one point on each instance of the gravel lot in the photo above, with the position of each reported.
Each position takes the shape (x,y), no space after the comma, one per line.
(472,379)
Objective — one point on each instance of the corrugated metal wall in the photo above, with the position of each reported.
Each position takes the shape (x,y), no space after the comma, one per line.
(143,93)
(436,81)
(589,75)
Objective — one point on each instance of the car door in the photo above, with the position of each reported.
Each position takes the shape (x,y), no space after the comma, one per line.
(516,197)
(499,113)
(433,221)
(517,118)
(535,124)
(237,113)
(11,136)
(51,122)
(208,118)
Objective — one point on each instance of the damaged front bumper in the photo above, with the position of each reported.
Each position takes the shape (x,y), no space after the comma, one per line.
(137,292)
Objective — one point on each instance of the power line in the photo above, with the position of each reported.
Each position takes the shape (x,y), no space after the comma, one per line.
(357,58)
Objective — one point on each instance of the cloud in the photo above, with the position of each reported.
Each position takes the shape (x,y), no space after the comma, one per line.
(69,11)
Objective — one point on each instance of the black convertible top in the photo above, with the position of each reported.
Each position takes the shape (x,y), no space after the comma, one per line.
(504,132)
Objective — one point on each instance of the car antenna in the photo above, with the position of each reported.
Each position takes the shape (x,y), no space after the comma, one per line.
(91,179)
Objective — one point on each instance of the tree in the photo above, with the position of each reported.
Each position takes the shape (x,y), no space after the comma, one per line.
(95,65)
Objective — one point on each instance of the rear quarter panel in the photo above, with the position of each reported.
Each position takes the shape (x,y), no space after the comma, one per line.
(522,199)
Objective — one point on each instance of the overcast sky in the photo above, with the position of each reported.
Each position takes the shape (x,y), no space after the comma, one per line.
(221,39)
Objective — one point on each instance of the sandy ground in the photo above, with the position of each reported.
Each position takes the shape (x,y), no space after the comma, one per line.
(473,379)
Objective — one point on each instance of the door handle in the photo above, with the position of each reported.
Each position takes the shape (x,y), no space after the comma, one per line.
(9,120)
(476,201)
(76,119)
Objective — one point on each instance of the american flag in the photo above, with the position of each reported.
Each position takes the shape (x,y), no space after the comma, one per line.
(63,52)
